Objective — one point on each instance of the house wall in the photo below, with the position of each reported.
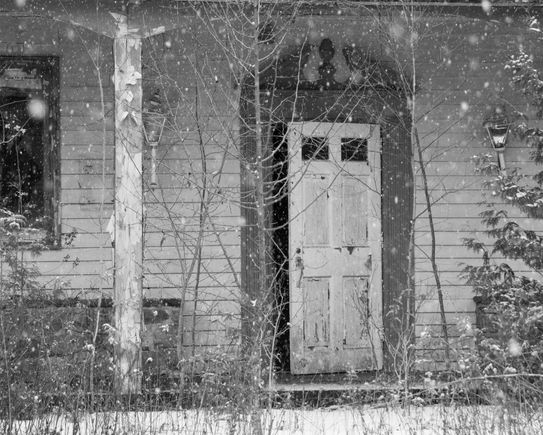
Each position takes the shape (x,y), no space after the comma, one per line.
(192,224)
(459,82)
(84,267)
(458,67)
(459,71)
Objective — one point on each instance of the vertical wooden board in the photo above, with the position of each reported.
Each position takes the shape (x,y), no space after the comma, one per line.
(355,312)
(316,312)
(315,211)
(128,210)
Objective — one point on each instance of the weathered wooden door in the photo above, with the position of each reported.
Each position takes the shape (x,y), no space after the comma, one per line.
(335,247)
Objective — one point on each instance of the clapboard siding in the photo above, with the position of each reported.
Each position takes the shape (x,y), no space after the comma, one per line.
(86,128)
(209,265)
(92,109)
(459,71)
(452,103)
(75,154)
(463,223)
(73,269)
(173,209)
(173,282)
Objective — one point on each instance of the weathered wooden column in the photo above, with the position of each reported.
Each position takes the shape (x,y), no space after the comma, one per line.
(128,208)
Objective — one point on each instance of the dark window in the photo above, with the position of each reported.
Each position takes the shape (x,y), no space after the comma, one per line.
(354,149)
(315,148)
(29,164)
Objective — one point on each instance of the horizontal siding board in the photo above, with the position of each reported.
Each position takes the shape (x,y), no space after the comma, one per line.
(461,330)
(83,123)
(451,306)
(189,179)
(461,178)
(172,194)
(458,345)
(83,255)
(217,308)
(92,109)
(89,196)
(94,211)
(88,240)
(210,338)
(86,275)
(448,196)
(207,293)
(188,250)
(228,234)
(215,151)
(440,210)
(452,237)
(86,151)
(86,181)
(86,166)
(81,93)
(173,280)
(447,252)
(468,224)
(210,238)
(176,166)
(457,265)
(84,226)
(209,322)
(220,222)
(218,207)
(209,266)
(453,319)
(451,291)
(86,137)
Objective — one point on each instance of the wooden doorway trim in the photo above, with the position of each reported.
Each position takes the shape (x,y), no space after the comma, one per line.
(366,106)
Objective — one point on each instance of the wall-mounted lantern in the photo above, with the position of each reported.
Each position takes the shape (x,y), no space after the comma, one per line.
(497,125)
(153,126)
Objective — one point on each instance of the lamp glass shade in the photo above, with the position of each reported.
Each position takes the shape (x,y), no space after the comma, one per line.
(498,135)
(153,123)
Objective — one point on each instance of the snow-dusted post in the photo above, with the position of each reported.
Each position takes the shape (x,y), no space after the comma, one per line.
(128,208)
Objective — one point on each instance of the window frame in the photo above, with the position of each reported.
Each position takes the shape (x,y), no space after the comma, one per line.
(48,69)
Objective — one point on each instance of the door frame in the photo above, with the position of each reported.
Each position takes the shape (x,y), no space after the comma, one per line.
(365,106)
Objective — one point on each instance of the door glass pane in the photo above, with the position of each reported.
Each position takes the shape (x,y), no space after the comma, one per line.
(354,149)
(315,148)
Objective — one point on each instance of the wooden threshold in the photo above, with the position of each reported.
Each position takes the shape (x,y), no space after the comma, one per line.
(359,381)
(324,387)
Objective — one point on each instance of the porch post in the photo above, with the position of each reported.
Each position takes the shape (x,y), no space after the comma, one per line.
(128,209)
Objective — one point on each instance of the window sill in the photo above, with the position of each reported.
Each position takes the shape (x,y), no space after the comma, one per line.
(29,238)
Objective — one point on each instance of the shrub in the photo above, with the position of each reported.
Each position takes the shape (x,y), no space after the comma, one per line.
(511,304)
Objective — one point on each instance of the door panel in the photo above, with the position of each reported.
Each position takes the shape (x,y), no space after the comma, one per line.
(354,212)
(335,247)
(315,199)
(355,312)
(316,327)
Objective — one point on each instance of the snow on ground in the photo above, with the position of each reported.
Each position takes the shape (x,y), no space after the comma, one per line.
(480,420)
